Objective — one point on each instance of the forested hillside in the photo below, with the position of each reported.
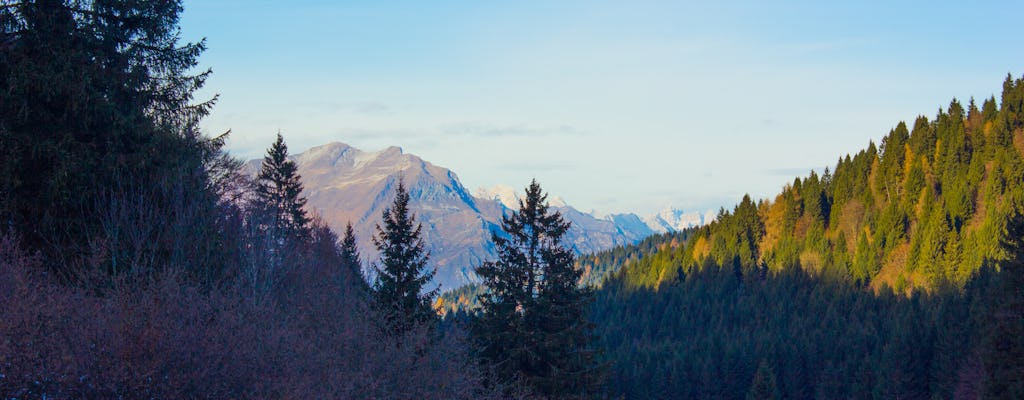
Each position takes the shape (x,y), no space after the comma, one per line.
(894,275)
(924,208)
(599,266)
(596,268)
(706,336)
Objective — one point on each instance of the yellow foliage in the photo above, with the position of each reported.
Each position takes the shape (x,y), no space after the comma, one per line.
(875,191)
(701,249)
(850,219)
(773,220)
(811,261)
(893,267)
(1018,140)
(908,160)
(802,225)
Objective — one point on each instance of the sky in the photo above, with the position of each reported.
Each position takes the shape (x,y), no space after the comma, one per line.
(615,106)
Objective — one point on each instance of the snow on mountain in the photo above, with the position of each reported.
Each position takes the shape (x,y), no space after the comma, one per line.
(672,219)
(630,223)
(589,232)
(344,184)
(509,196)
(504,194)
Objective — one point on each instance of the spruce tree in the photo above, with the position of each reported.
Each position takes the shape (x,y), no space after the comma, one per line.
(402,271)
(96,97)
(533,325)
(350,258)
(279,194)
(349,250)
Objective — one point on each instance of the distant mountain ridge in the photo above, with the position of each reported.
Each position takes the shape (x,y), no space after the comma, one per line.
(669,219)
(674,220)
(345,184)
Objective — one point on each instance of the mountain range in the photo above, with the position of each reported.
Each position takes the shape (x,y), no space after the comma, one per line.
(344,185)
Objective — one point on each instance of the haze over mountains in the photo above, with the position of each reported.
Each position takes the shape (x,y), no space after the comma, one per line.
(345,184)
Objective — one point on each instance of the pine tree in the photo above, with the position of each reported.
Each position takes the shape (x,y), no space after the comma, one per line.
(533,324)
(402,272)
(279,194)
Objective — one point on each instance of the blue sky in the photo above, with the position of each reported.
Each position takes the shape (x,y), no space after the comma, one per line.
(618,106)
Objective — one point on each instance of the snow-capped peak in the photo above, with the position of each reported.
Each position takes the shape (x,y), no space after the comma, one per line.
(671,219)
(600,215)
(556,201)
(510,197)
(503,193)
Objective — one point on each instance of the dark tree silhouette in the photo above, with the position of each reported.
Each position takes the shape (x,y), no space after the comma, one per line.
(533,324)
(96,98)
(402,271)
(279,193)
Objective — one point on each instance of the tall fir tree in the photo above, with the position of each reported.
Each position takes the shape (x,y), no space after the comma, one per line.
(349,250)
(96,97)
(350,257)
(402,271)
(533,324)
(279,194)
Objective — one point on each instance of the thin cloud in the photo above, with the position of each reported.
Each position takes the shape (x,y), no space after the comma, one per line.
(792,172)
(397,136)
(538,167)
(370,108)
(357,107)
(491,131)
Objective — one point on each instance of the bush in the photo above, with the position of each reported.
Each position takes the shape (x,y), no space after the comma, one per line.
(315,337)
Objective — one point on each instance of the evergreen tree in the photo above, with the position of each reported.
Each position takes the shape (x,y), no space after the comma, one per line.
(533,324)
(763,386)
(402,272)
(349,250)
(279,193)
(350,258)
(1004,339)
(95,98)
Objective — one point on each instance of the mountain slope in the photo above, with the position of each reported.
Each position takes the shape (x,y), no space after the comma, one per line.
(924,209)
(345,184)
(797,291)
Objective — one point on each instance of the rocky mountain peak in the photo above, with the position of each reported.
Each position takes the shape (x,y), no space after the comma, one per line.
(345,184)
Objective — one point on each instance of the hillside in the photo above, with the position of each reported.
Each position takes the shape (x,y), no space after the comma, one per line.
(873,281)
(925,208)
